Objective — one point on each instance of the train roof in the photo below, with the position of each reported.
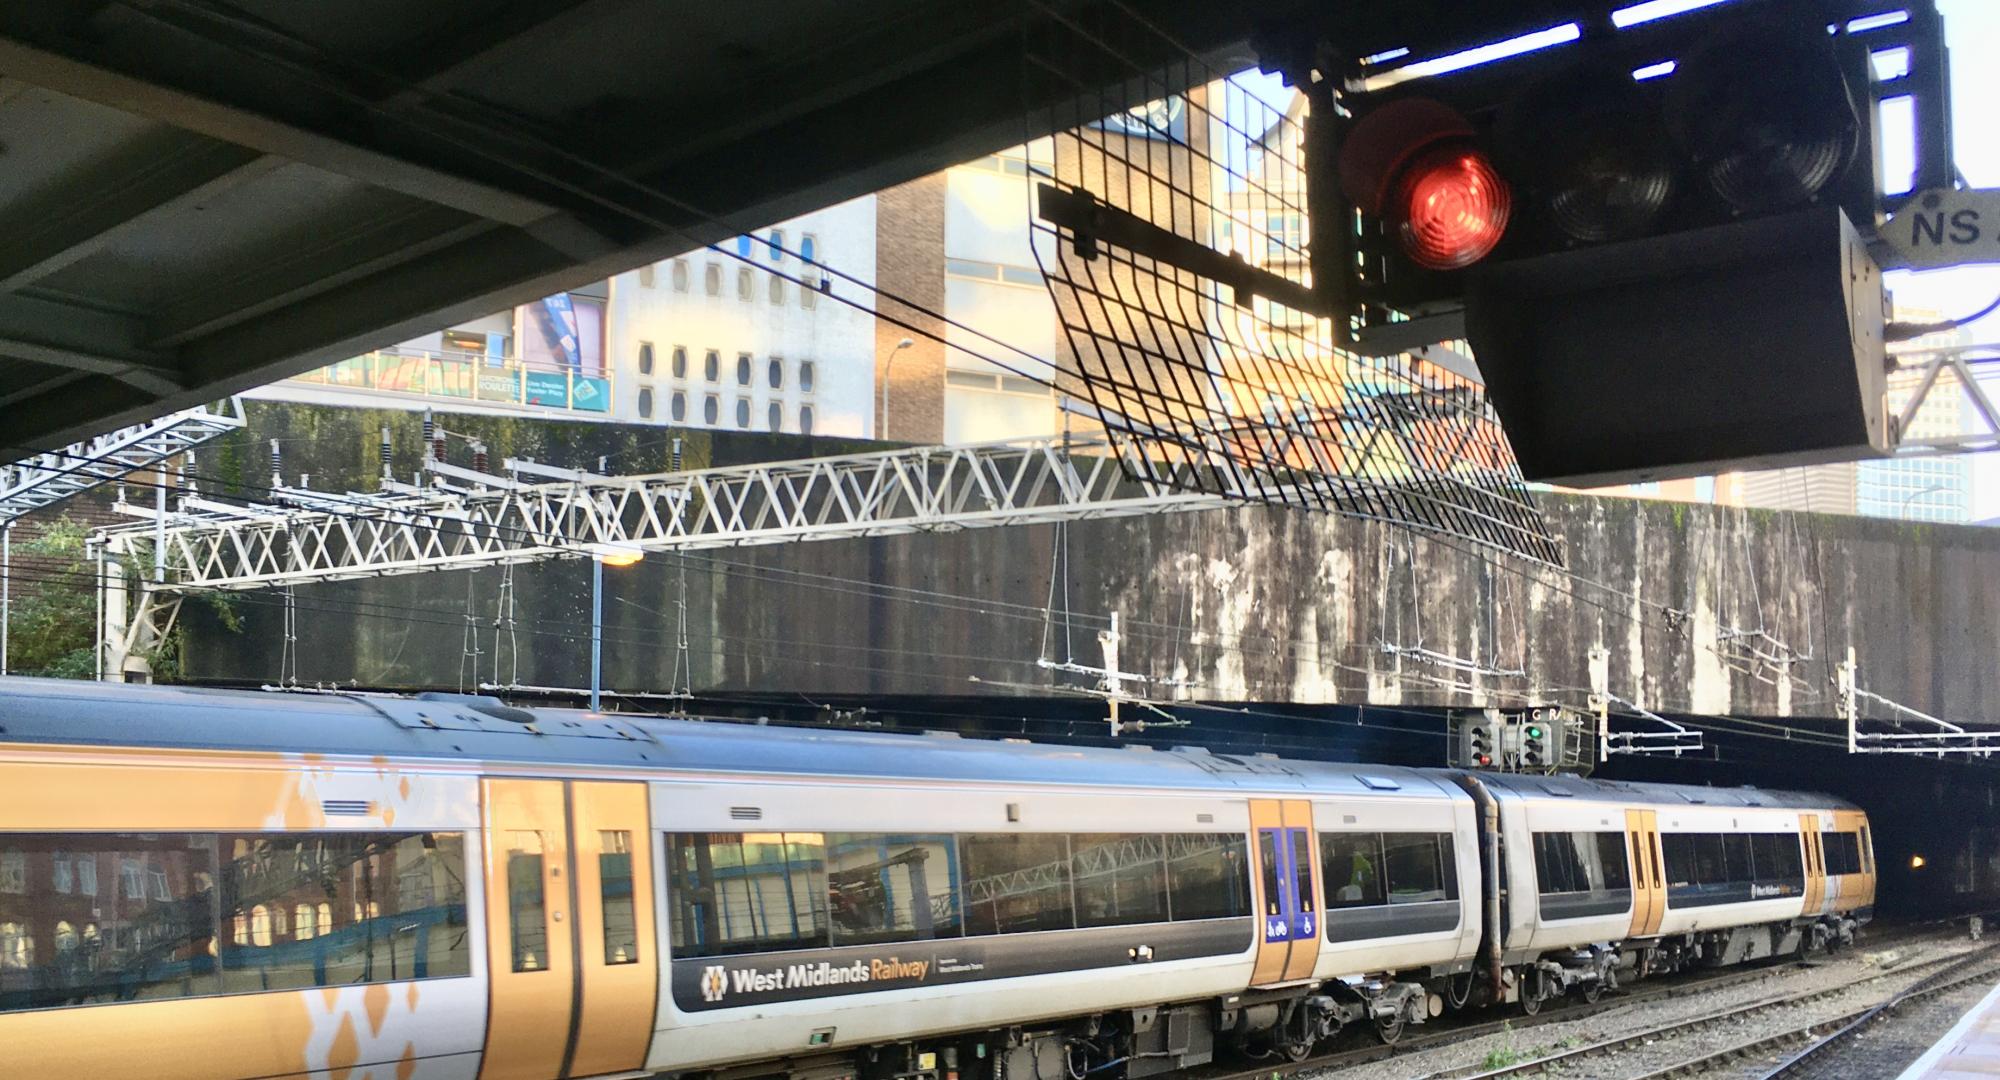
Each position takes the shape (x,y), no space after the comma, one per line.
(468,728)
(463,727)
(1627,792)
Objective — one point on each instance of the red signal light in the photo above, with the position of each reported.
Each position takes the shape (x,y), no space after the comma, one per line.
(1413,162)
(1453,207)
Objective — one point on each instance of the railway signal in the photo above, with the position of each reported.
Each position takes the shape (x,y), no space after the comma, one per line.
(1474,745)
(1617,203)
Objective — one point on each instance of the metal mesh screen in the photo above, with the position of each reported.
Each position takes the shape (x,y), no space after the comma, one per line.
(1232,393)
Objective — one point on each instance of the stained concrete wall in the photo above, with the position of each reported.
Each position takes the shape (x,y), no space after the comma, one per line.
(1257,603)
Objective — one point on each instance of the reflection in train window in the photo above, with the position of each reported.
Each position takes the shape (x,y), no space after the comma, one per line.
(155,939)
(406,892)
(527,911)
(1120,878)
(1205,878)
(1016,882)
(614,877)
(746,892)
(889,887)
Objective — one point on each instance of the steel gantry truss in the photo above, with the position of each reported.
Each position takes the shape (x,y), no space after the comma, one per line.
(470,519)
(38,481)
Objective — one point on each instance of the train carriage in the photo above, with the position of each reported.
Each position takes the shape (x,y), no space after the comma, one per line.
(211,883)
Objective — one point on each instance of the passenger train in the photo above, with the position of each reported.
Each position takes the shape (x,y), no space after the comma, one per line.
(238,884)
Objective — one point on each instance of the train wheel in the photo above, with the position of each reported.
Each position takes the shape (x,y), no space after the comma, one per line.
(1296,1052)
(1389,1030)
(1593,990)
(1531,992)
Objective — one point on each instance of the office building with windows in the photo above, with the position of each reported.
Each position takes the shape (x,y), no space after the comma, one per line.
(759,333)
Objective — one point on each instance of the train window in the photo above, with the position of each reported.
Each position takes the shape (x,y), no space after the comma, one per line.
(1736,857)
(889,887)
(406,890)
(746,892)
(151,935)
(1867,851)
(1267,864)
(527,913)
(1352,864)
(1205,878)
(1581,862)
(614,877)
(1016,882)
(1843,853)
(1302,882)
(1611,860)
(1419,867)
(1680,858)
(1120,879)
(1775,857)
(1559,866)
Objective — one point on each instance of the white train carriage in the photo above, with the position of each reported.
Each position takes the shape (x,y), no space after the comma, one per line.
(1604,878)
(452,887)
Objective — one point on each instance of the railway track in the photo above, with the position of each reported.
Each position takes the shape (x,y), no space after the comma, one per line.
(1953,971)
(1669,988)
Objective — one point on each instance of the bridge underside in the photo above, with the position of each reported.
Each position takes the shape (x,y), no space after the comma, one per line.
(200,196)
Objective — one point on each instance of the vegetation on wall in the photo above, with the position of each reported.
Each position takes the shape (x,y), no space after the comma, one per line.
(53,615)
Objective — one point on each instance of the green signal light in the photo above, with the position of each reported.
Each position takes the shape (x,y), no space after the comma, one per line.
(1534,733)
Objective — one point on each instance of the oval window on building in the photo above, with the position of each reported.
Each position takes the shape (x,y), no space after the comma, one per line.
(743,369)
(711,279)
(746,286)
(809,248)
(805,419)
(774,372)
(777,289)
(680,362)
(743,413)
(806,374)
(711,409)
(680,275)
(776,417)
(645,403)
(776,245)
(645,358)
(678,407)
(711,366)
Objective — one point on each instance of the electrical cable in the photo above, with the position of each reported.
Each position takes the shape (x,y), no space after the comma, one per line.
(1910,331)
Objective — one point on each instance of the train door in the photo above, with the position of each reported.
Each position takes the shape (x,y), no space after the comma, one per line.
(1288,891)
(570,941)
(1815,865)
(1857,889)
(1649,893)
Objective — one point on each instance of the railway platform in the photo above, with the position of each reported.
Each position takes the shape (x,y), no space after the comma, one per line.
(1970,1049)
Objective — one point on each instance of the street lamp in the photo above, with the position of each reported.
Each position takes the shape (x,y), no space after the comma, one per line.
(1904,512)
(887,367)
(601,556)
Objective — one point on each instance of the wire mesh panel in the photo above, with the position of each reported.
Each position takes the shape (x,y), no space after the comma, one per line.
(1170,223)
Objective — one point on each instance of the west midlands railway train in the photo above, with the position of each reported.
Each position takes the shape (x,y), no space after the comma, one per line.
(235,884)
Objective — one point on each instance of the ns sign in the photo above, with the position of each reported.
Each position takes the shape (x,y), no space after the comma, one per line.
(1943,228)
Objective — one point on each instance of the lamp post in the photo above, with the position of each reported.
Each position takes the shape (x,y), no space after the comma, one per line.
(887,367)
(601,556)
(1903,513)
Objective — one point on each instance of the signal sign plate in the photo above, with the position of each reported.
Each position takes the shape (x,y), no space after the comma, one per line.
(1944,228)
